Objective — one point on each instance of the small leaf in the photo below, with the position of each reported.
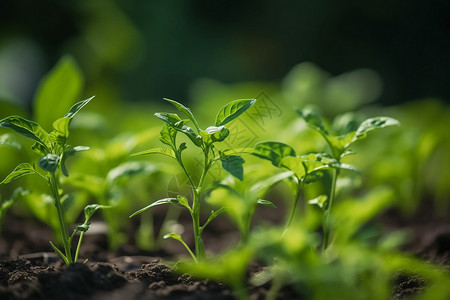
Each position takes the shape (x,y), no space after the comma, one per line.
(159,202)
(374,124)
(234,165)
(169,118)
(184,110)
(40,149)
(163,151)
(82,227)
(7,140)
(319,201)
(273,151)
(91,209)
(21,170)
(233,110)
(77,107)
(68,153)
(62,126)
(49,162)
(27,128)
(313,119)
(214,134)
(266,203)
(174,236)
(183,201)
(167,135)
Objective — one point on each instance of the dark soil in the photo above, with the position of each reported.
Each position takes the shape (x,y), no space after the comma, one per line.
(133,274)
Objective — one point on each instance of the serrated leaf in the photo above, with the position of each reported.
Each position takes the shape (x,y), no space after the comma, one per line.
(57,91)
(234,165)
(163,151)
(184,110)
(233,110)
(159,202)
(27,128)
(21,170)
(91,209)
(373,124)
(7,140)
(273,151)
(266,203)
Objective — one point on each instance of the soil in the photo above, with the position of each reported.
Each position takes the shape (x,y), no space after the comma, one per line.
(134,274)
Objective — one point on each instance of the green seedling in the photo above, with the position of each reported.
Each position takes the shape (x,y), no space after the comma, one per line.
(204,139)
(53,151)
(344,131)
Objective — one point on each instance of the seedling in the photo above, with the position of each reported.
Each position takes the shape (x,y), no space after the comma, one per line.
(204,139)
(343,133)
(53,150)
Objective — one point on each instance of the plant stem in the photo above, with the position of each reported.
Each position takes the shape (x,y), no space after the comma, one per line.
(78,246)
(294,206)
(61,220)
(326,223)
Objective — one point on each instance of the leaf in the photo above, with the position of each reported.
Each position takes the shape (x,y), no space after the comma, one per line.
(236,151)
(27,128)
(266,203)
(159,202)
(184,110)
(68,153)
(233,110)
(163,151)
(373,124)
(260,188)
(169,118)
(234,165)
(183,201)
(7,140)
(77,107)
(273,151)
(57,91)
(168,135)
(62,126)
(320,201)
(313,119)
(214,134)
(129,169)
(91,209)
(49,162)
(21,170)
(212,216)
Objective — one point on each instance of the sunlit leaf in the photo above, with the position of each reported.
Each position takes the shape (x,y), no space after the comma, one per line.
(186,111)
(374,124)
(320,201)
(232,110)
(159,202)
(266,203)
(273,151)
(163,151)
(21,170)
(91,209)
(27,128)
(214,134)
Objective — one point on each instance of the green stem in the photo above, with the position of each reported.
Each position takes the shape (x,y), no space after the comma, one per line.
(78,246)
(62,223)
(294,206)
(326,224)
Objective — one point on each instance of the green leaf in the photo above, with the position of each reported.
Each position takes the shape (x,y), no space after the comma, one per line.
(186,111)
(260,188)
(91,209)
(168,135)
(57,91)
(266,203)
(273,151)
(234,165)
(183,201)
(177,237)
(27,128)
(21,170)
(373,124)
(163,151)
(212,216)
(49,162)
(320,201)
(62,126)
(313,119)
(169,118)
(70,152)
(77,107)
(159,202)
(214,134)
(7,140)
(82,228)
(129,169)
(233,110)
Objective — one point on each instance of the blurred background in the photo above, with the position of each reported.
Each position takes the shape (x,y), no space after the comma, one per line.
(146,50)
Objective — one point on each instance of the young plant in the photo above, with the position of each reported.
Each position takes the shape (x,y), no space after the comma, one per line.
(53,151)
(204,139)
(344,131)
